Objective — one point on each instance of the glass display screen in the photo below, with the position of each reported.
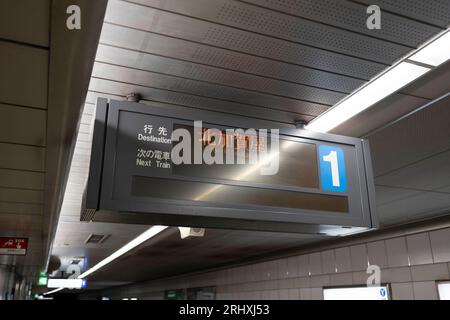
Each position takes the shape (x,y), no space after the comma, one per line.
(297,162)
(235,195)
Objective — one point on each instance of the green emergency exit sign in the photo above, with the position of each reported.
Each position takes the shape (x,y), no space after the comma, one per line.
(42,280)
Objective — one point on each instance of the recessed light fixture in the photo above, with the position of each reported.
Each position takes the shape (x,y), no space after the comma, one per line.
(431,55)
(436,52)
(53,291)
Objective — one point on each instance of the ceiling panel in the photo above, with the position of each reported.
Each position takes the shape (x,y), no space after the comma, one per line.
(22,157)
(22,125)
(193,101)
(24,71)
(387,194)
(421,175)
(423,134)
(286,101)
(250,18)
(265,71)
(417,206)
(375,117)
(214,249)
(25,21)
(432,85)
(351,16)
(436,12)
(270,48)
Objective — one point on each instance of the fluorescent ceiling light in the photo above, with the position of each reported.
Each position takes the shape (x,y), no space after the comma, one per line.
(53,291)
(436,52)
(386,84)
(150,233)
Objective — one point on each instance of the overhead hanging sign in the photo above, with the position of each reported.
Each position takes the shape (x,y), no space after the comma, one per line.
(13,246)
(153,165)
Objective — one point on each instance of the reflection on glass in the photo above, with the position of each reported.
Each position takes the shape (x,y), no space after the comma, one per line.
(235,195)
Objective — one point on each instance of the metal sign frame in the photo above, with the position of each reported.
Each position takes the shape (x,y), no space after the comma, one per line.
(103,204)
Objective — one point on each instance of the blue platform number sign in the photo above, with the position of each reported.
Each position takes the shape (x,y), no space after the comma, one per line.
(332,169)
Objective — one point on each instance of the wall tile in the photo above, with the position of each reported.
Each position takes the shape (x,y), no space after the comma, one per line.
(328,262)
(320,281)
(437,271)
(316,294)
(343,260)
(305,293)
(294,294)
(360,278)
(440,244)
(396,252)
(244,295)
(391,275)
(255,295)
(292,265)
(358,257)
(303,265)
(376,252)
(402,291)
(315,263)
(282,267)
(258,271)
(274,295)
(341,279)
(270,270)
(258,285)
(426,290)
(270,285)
(283,294)
(273,269)
(286,284)
(265,295)
(234,275)
(419,249)
(303,282)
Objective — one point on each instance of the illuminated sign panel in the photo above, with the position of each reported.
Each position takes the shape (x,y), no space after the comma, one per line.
(357,293)
(301,182)
(444,290)
(67,283)
(13,246)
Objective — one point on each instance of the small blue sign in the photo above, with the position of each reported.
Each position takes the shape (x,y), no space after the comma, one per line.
(382,292)
(332,169)
(83,283)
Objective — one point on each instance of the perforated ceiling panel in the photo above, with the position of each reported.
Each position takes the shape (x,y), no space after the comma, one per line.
(352,16)
(436,12)
(191,29)
(299,57)
(242,74)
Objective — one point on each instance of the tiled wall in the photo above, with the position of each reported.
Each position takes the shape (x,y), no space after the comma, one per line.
(410,264)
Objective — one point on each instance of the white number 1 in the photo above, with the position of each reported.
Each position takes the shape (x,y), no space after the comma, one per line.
(332,159)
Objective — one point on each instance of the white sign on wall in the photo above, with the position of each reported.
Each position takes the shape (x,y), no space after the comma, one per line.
(356,293)
(67,283)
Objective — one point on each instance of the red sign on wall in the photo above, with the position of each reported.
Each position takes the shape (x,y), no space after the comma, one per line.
(13,246)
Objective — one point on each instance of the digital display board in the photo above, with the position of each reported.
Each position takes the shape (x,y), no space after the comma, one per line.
(156,166)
